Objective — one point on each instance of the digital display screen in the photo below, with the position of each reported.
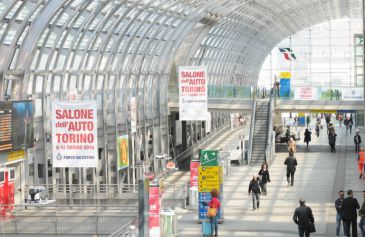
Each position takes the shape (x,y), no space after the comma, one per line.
(22,117)
(16,125)
(5,126)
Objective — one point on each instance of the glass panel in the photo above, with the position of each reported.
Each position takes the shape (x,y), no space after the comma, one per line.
(9,36)
(39,84)
(13,10)
(57,83)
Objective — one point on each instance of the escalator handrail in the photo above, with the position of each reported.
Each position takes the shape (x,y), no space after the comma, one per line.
(252,127)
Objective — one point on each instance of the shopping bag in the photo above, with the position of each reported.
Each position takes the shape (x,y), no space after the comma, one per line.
(206,228)
(211,212)
(312,227)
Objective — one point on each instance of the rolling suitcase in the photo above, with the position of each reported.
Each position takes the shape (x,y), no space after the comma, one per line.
(206,228)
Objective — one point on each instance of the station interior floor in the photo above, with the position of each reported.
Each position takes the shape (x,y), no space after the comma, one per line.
(319,176)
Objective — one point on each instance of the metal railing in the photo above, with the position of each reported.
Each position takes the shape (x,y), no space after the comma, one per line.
(218,91)
(194,148)
(269,143)
(252,128)
(65,219)
(129,229)
(322,93)
(89,188)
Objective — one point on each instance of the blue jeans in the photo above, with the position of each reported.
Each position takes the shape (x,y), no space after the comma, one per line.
(362,226)
(214,224)
(255,198)
(303,230)
(338,224)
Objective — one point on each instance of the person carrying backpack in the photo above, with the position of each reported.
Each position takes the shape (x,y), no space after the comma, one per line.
(255,188)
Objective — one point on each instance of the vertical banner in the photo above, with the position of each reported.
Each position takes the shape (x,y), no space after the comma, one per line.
(193,99)
(74,134)
(154,211)
(133,114)
(194,173)
(208,123)
(123,152)
(285,84)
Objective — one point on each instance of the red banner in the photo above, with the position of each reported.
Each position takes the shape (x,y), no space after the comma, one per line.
(194,173)
(154,213)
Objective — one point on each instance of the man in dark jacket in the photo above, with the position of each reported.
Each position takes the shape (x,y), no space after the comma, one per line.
(255,188)
(291,164)
(357,141)
(350,205)
(302,217)
(362,216)
(339,210)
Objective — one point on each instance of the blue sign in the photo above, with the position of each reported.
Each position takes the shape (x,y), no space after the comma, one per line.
(285,87)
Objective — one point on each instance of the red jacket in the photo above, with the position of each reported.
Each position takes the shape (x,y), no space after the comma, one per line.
(214,203)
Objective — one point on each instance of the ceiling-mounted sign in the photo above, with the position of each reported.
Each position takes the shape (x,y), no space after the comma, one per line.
(74,134)
(193,93)
(353,94)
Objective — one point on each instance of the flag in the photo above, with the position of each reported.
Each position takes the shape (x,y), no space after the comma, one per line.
(288,53)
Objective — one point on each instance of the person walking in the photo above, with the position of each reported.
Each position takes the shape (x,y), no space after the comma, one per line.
(264,172)
(357,141)
(332,141)
(350,205)
(362,216)
(317,129)
(308,120)
(292,145)
(360,163)
(307,136)
(339,210)
(331,129)
(291,163)
(214,203)
(255,190)
(340,119)
(351,123)
(346,123)
(303,216)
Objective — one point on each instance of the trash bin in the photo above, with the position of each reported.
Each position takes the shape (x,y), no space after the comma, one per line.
(193,198)
(168,223)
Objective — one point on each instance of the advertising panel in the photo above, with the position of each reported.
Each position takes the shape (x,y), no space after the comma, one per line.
(353,94)
(74,134)
(123,152)
(193,99)
(154,211)
(305,93)
(194,173)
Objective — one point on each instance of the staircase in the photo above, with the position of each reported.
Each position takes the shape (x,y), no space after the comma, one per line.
(260,132)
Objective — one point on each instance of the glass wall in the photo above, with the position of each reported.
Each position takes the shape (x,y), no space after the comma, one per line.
(322,55)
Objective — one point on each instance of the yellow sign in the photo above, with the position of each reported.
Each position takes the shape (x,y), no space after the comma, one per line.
(16,155)
(301,114)
(209,178)
(323,111)
(286,75)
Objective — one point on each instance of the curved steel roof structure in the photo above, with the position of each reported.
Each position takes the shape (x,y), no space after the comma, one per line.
(112,50)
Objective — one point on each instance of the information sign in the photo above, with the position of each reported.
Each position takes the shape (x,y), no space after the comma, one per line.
(208,158)
(209,178)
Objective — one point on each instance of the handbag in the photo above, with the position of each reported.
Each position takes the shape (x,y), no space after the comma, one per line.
(312,227)
(211,212)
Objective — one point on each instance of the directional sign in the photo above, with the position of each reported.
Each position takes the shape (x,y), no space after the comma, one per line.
(208,158)
(209,178)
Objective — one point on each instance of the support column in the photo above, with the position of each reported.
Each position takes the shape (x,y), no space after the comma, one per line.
(363,54)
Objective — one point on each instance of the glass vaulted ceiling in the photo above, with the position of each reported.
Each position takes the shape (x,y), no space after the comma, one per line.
(112,50)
